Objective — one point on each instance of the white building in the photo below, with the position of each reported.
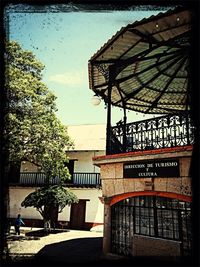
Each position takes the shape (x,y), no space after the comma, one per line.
(89,142)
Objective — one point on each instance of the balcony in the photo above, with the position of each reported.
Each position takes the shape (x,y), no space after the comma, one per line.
(161,132)
(78,179)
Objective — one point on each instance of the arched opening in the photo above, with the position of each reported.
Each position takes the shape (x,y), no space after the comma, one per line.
(156,217)
(120,197)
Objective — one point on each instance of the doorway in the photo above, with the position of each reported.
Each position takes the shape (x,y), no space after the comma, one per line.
(77,215)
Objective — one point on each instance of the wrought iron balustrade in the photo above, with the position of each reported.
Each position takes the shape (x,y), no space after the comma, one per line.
(36,179)
(161,132)
(86,178)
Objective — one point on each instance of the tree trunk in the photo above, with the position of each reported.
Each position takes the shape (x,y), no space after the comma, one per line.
(54,217)
(47,226)
(50,216)
(47,221)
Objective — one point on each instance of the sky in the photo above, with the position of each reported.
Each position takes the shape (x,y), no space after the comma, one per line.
(64,41)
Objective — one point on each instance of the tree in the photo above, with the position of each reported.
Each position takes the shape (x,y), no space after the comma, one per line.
(46,199)
(32,130)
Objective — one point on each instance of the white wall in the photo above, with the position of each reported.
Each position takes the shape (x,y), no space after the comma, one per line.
(17,195)
(94,208)
(29,167)
(84,161)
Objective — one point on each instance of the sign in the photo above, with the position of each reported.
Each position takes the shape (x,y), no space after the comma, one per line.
(152,168)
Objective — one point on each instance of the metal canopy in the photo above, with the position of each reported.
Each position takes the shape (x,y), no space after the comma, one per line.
(146,64)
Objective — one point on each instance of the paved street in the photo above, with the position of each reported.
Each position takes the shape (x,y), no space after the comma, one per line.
(71,246)
(68,248)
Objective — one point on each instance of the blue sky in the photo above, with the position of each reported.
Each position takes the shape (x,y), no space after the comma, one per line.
(64,42)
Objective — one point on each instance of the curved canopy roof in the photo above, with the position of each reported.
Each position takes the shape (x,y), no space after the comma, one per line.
(146,64)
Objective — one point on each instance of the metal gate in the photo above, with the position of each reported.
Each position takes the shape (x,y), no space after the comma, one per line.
(151,216)
(121,228)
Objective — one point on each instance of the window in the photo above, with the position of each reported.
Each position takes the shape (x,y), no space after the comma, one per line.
(157,216)
(150,216)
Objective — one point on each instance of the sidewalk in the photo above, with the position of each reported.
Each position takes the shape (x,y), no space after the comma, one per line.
(70,246)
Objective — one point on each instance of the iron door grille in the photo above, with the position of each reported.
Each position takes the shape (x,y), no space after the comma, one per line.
(151,216)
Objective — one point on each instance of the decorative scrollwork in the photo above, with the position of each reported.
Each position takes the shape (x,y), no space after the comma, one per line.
(161,132)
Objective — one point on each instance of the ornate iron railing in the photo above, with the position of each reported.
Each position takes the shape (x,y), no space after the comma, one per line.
(161,132)
(83,179)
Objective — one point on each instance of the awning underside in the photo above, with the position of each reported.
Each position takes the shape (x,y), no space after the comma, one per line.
(146,63)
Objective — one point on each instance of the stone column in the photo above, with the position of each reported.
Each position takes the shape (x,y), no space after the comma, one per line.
(107,228)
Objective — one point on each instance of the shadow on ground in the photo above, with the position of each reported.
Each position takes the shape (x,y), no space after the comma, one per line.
(88,252)
(73,251)
(21,238)
(85,252)
(42,232)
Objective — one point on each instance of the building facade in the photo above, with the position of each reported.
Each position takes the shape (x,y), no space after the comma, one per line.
(85,183)
(147,198)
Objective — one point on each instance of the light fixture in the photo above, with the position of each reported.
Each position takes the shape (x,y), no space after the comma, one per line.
(96,100)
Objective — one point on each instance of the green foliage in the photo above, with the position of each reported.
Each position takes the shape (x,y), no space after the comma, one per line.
(32,130)
(45,199)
